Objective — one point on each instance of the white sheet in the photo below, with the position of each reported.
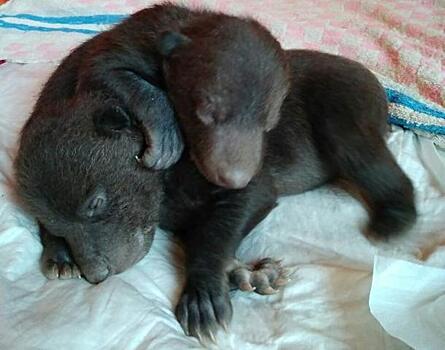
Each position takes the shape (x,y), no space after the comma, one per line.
(409,301)
(325,306)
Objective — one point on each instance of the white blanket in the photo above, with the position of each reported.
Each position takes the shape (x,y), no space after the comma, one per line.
(316,234)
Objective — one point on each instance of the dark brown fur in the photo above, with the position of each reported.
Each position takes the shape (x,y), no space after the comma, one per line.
(90,191)
(332,126)
(227,78)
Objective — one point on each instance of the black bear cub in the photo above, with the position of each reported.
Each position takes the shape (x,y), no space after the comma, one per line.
(97,208)
(227,78)
(331,126)
(260,123)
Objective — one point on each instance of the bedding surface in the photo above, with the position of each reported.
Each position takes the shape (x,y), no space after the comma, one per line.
(316,234)
(401,39)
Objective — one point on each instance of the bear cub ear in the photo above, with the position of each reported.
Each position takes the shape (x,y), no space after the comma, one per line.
(169,41)
(111,121)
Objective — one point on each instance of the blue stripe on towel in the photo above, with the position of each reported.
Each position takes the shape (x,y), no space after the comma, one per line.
(94,19)
(404,100)
(28,28)
(433,129)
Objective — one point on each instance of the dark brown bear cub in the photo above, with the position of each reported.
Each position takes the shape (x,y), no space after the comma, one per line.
(89,191)
(331,126)
(227,78)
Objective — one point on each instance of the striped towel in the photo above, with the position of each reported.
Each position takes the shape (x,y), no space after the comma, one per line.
(410,111)
(93,24)
(50,31)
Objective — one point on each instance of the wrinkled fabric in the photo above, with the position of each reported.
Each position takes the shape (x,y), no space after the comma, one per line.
(408,299)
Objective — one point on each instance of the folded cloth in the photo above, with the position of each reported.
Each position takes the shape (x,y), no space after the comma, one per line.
(412,112)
